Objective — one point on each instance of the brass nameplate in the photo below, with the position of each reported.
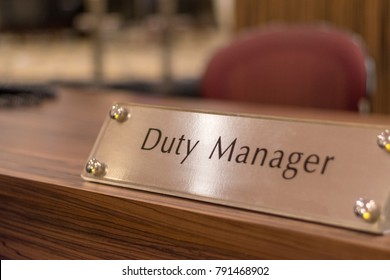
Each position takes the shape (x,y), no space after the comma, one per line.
(330,173)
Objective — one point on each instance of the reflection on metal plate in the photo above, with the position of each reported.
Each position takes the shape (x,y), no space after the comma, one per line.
(330,173)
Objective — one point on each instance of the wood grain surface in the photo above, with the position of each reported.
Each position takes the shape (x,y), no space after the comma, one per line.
(48,212)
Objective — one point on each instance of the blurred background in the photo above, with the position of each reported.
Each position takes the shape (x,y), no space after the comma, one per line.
(162,45)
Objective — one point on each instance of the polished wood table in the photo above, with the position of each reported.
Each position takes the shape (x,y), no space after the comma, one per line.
(47,211)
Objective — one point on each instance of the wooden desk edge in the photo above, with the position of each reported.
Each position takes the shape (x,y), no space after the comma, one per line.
(47,220)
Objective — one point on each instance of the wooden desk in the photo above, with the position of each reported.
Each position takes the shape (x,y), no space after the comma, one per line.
(48,212)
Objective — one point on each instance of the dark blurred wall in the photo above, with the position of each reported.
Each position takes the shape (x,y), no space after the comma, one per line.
(21,15)
(24,15)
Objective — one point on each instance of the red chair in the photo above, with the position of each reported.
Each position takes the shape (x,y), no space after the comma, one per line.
(299,65)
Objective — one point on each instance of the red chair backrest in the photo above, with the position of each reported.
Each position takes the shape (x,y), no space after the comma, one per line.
(307,66)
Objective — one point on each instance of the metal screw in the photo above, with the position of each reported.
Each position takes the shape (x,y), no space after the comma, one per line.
(367,209)
(384,140)
(119,113)
(95,167)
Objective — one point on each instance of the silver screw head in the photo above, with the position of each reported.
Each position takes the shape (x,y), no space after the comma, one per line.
(118,113)
(95,167)
(384,140)
(367,210)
